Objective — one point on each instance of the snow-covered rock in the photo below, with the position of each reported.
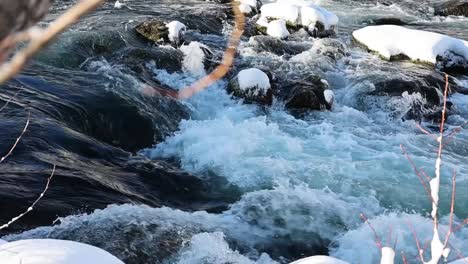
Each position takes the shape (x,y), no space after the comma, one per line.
(319,260)
(277,29)
(288,12)
(391,41)
(329,96)
(51,251)
(176,31)
(249,6)
(318,21)
(253,85)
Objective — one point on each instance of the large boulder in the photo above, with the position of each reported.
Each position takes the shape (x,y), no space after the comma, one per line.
(451,8)
(307,94)
(253,85)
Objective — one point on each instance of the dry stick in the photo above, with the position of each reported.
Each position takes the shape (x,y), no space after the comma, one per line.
(225,65)
(404,258)
(30,208)
(17,140)
(17,63)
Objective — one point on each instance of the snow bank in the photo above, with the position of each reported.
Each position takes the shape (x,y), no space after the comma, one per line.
(418,45)
(254,78)
(319,260)
(277,29)
(51,251)
(176,30)
(288,12)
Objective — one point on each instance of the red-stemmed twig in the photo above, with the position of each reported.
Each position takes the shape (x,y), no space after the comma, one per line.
(378,241)
(418,245)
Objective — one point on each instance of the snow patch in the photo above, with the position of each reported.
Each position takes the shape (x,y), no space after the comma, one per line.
(277,29)
(418,45)
(319,260)
(254,79)
(285,11)
(51,251)
(176,30)
(329,96)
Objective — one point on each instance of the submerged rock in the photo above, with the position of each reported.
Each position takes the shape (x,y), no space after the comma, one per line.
(387,21)
(451,8)
(253,85)
(277,46)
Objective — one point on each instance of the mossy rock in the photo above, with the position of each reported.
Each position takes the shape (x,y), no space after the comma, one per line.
(154,30)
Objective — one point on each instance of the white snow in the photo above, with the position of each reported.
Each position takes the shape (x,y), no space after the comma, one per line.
(277,29)
(51,251)
(388,256)
(176,29)
(390,40)
(118,5)
(284,11)
(329,96)
(254,79)
(319,260)
(300,12)
(246,9)
(193,58)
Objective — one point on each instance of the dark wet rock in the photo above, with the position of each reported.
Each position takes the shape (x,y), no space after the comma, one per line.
(319,31)
(332,48)
(387,21)
(154,30)
(452,63)
(253,93)
(169,59)
(305,94)
(452,8)
(277,46)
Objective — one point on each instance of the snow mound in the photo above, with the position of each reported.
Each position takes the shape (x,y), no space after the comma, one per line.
(277,29)
(51,251)
(329,96)
(418,45)
(176,30)
(319,260)
(254,78)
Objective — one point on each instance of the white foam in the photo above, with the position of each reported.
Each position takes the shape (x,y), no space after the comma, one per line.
(390,40)
(194,58)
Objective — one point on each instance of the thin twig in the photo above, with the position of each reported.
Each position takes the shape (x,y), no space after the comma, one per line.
(11,98)
(30,208)
(449,232)
(415,236)
(378,241)
(17,139)
(17,63)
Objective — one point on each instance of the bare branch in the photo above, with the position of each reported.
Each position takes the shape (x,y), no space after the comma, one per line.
(17,63)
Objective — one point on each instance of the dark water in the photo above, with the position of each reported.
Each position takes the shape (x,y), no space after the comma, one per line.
(212,180)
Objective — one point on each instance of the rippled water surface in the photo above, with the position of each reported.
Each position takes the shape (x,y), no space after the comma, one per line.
(211,179)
